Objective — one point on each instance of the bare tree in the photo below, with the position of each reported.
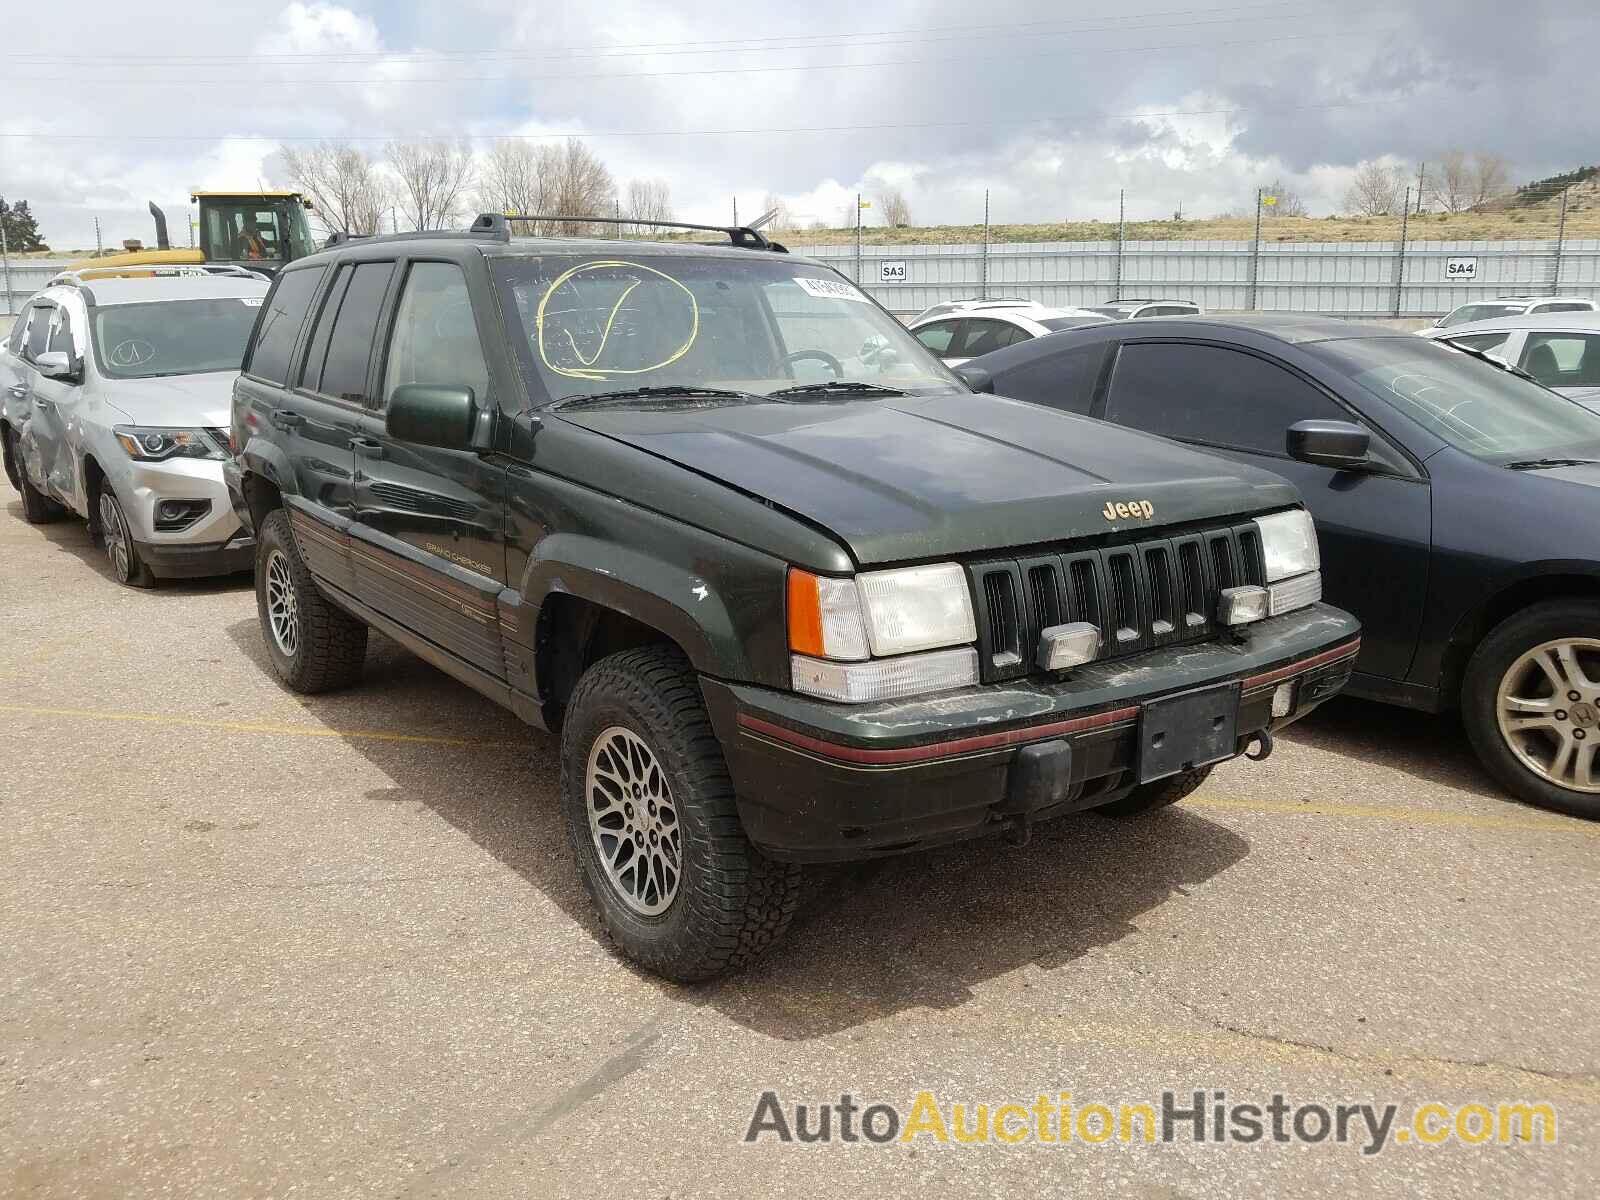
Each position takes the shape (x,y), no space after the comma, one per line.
(1450,185)
(1284,201)
(581,185)
(896,211)
(434,178)
(344,185)
(1489,177)
(784,220)
(647,200)
(1376,190)
(518,177)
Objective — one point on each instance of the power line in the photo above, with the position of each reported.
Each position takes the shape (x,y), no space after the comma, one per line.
(1012,122)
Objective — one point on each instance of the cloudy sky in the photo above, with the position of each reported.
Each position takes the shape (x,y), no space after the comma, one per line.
(1054,106)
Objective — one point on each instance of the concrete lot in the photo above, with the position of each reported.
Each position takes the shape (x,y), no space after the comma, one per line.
(259,944)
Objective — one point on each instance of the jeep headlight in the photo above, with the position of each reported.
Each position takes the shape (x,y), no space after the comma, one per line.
(1293,565)
(865,638)
(150,444)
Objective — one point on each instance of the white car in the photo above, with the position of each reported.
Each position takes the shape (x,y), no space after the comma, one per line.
(1128,310)
(1560,350)
(1510,306)
(987,325)
(118,385)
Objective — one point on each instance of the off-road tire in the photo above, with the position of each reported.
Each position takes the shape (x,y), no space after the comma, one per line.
(732,902)
(37,508)
(1504,644)
(1151,796)
(331,645)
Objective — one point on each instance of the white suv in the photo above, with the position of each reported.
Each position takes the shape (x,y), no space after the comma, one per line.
(966,329)
(1511,306)
(117,385)
(1127,310)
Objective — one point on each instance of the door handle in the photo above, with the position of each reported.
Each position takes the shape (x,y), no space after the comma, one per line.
(285,418)
(370,447)
(40,402)
(18,391)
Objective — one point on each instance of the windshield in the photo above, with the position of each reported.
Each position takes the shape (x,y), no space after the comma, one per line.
(1475,406)
(263,230)
(753,322)
(1480,312)
(173,337)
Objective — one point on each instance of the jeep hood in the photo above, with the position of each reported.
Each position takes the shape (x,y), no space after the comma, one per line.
(915,478)
(175,401)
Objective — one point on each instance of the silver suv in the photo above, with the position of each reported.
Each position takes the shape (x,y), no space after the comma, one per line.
(115,386)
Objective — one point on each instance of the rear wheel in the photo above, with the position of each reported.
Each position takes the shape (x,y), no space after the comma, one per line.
(1530,700)
(126,564)
(314,646)
(1150,796)
(653,822)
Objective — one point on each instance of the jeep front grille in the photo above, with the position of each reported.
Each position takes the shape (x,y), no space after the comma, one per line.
(1140,595)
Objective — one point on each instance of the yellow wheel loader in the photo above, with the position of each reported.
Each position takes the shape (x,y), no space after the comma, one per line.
(260,231)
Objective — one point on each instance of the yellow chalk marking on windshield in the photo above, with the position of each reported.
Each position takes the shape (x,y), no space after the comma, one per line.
(590,371)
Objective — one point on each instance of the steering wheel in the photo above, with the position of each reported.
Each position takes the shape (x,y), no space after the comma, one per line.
(822,356)
(133,352)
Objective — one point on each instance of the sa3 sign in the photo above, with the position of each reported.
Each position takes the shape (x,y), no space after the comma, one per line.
(892,271)
(1460,268)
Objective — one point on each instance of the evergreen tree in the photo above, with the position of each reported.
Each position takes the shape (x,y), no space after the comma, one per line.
(22,231)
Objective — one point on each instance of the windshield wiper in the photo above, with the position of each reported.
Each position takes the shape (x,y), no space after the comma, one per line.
(674,391)
(1533,464)
(837,387)
(1485,356)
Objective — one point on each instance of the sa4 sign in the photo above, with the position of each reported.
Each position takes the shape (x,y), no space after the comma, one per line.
(1461,268)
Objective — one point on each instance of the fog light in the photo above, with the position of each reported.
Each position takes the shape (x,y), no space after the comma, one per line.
(1283,699)
(1063,646)
(170,510)
(1241,605)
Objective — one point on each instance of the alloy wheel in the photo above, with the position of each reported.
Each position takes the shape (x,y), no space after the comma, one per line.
(633,821)
(1548,710)
(115,532)
(283,604)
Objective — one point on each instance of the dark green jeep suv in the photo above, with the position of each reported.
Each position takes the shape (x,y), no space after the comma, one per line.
(790,592)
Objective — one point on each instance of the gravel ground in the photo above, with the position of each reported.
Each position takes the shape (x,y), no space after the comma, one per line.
(262,944)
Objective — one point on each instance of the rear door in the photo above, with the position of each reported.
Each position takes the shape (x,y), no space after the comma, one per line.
(429,541)
(40,430)
(312,434)
(1374,529)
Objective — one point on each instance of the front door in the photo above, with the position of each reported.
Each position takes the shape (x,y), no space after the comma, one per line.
(1374,529)
(429,542)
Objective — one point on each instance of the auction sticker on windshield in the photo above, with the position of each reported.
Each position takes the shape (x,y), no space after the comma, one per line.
(830,289)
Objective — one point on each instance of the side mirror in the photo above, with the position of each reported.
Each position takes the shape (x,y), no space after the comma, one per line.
(54,364)
(977,378)
(433,414)
(1341,445)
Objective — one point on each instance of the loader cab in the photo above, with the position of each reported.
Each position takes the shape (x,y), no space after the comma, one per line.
(261,231)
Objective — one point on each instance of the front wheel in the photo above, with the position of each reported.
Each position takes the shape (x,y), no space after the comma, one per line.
(1530,700)
(314,646)
(652,820)
(126,564)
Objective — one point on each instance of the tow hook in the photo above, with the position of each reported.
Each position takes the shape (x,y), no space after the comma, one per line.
(1018,830)
(1260,748)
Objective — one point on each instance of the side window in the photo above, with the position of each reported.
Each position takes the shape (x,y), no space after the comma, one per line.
(1063,380)
(984,336)
(938,336)
(1211,394)
(1480,341)
(434,338)
(39,330)
(1015,334)
(1563,359)
(19,331)
(279,328)
(341,349)
(61,334)
(1562,307)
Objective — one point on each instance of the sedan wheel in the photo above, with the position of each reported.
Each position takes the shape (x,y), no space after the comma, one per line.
(118,542)
(1548,707)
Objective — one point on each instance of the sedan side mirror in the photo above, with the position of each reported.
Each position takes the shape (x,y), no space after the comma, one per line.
(977,378)
(433,414)
(55,364)
(1342,445)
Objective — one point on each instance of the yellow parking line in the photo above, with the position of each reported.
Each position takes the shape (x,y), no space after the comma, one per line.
(313,731)
(1406,816)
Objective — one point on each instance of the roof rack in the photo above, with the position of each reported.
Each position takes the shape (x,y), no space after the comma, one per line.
(744,236)
(340,237)
(81,275)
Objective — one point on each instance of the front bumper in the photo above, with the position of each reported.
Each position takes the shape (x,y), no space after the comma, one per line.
(826,782)
(214,543)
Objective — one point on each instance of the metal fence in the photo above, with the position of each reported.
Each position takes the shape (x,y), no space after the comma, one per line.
(1355,279)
